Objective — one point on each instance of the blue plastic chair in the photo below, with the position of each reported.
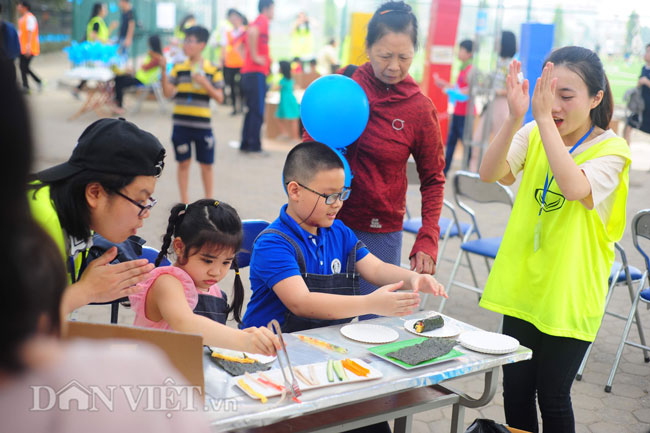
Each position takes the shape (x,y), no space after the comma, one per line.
(252,228)
(621,273)
(468,185)
(640,229)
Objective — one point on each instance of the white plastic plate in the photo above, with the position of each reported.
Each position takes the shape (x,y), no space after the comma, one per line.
(369,333)
(488,342)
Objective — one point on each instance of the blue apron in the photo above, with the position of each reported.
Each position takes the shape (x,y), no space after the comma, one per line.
(213,307)
(335,284)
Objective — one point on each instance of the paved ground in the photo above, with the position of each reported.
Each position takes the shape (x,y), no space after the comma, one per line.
(252,185)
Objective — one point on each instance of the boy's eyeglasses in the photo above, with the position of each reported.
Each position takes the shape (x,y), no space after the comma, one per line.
(143,207)
(330,198)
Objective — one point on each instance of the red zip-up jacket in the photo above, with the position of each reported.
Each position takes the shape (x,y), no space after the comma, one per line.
(403,122)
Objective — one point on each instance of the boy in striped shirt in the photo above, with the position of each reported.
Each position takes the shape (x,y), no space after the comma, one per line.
(193,83)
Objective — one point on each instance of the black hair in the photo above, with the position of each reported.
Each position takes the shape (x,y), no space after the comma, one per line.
(307,159)
(97,8)
(264,4)
(243,18)
(69,198)
(232,11)
(468,45)
(199,32)
(395,17)
(332,41)
(208,223)
(588,66)
(155,44)
(15,128)
(26,5)
(37,277)
(285,69)
(508,44)
(185,19)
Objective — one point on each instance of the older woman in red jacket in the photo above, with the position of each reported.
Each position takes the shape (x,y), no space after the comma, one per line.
(403,122)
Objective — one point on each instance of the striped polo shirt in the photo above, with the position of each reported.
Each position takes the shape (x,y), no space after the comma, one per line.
(192,101)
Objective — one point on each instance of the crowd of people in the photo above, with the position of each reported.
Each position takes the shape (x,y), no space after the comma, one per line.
(333,253)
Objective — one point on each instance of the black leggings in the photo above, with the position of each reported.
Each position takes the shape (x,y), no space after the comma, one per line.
(121,83)
(232,77)
(549,375)
(25,70)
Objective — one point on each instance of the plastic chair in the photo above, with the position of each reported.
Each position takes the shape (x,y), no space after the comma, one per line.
(640,229)
(621,273)
(252,228)
(468,185)
(143,93)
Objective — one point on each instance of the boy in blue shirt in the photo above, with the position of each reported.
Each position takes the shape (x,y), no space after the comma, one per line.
(305,266)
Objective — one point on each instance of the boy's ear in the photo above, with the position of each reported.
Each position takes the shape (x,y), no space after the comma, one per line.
(293,189)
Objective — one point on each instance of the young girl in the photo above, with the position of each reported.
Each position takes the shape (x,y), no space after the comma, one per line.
(288,109)
(204,236)
(550,276)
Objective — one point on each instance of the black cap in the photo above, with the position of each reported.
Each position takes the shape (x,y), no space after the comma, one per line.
(111,146)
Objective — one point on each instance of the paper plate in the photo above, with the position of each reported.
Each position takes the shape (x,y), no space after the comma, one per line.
(448,330)
(368,333)
(488,342)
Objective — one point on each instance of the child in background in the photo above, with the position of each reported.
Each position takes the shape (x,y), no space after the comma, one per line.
(305,267)
(193,83)
(457,125)
(549,279)
(288,110)
(204,236)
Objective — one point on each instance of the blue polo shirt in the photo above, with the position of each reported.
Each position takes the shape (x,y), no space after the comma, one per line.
(274,259)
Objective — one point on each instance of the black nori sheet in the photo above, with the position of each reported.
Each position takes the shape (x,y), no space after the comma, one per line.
(431,323)
(425,351)
(239,368)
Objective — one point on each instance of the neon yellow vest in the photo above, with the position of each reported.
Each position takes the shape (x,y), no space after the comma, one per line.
(149,76)
(561,287)
(102,33)
(301,43)
(45,215)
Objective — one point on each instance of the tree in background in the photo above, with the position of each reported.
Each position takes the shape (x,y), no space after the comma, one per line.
(631,31)
(558,21)
(330,20)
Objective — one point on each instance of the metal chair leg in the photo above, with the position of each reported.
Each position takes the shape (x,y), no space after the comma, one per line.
(610,292)
(454,270)
(626,331)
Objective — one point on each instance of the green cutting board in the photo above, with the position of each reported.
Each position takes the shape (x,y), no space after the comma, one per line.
(382,350)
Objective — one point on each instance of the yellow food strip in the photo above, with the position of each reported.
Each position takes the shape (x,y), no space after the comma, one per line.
(233,359)
(251,391)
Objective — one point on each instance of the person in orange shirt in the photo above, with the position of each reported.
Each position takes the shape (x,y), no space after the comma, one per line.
(232,56)
(29,46)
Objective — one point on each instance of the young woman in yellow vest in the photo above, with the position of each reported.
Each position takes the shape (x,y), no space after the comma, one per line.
(549,279)
(97,30)
(147,74)
(105,187)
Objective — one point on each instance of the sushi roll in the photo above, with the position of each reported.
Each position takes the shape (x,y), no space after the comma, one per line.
(429,324)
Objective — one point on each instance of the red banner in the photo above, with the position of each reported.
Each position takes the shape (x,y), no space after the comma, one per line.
(443,27)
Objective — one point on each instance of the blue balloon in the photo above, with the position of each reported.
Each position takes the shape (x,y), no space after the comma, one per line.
(346,167)
(334,110)
(455,95)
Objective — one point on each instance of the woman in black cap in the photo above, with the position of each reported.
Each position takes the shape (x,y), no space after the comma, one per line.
(105,187)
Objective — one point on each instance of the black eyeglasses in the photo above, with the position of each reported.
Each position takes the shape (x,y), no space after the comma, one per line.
(330,198)
(143,207)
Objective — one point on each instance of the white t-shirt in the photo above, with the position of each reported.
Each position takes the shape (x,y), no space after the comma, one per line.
(602,173)
(31,23)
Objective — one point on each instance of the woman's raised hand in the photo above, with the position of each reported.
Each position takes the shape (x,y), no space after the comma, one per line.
(518,98)
(544,94)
